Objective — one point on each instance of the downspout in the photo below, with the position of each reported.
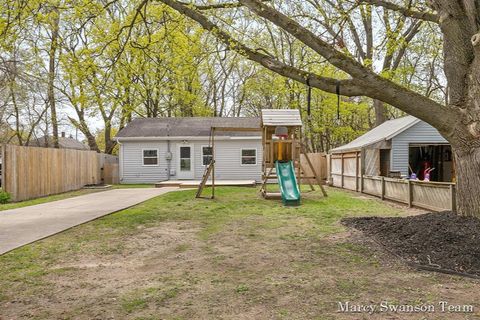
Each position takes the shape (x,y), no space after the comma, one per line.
(120,160)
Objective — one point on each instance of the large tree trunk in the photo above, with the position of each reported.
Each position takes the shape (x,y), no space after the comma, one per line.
(466,144)
(467,164)
(51,77)
(379,108)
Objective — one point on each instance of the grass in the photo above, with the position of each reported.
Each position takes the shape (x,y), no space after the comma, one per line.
(65,195)
(175,256)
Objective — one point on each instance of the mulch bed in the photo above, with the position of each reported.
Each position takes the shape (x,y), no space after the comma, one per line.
(442,241)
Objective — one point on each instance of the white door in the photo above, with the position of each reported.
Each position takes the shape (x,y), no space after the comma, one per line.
(185,161)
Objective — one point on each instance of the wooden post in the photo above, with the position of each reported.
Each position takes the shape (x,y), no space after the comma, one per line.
(362,168)
(409,195)
(213,158)
(341,184)
(453,198)
(330,178)
(356,171)
(296,162)
(264,153)
(383,187)
(271,151)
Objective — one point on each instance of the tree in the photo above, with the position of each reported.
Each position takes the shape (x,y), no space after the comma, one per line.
(458,120)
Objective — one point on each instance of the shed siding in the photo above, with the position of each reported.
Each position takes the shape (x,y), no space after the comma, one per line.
(421,132)
(228,161)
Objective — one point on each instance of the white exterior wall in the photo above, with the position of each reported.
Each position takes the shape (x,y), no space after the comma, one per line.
(132,169)
(227,156)
(421,132)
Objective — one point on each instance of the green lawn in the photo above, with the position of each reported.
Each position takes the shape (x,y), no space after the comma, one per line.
(236,257)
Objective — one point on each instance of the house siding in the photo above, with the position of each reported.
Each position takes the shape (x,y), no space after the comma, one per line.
(227,156)
(131,162)
(421,132)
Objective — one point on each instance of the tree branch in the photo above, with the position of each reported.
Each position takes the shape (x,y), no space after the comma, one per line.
(364,83)
(348,87)
(225,5)
(374,85)
(427,16)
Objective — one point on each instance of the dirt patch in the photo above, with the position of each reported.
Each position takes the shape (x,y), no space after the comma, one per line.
(273,263)
(438,240)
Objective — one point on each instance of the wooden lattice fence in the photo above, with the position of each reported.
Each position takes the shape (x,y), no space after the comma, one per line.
(345,172)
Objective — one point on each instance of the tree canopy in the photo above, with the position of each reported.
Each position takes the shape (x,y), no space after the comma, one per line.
(88,67)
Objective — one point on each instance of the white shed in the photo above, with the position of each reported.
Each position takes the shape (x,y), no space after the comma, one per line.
(396,149)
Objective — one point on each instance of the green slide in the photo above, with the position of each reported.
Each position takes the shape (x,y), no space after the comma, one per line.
(288,183)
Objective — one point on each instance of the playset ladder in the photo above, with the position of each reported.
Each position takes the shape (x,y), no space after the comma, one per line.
(206,174)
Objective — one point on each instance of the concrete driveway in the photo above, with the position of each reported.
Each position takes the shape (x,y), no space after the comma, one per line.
(21,226)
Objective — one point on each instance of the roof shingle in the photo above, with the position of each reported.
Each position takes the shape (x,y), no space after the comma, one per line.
(188,127)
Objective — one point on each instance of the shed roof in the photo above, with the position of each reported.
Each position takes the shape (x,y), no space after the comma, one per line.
(385,131)
(281,117)
(188,127)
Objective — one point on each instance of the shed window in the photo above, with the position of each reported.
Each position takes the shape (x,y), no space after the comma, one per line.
(207,155)
(150,157)
(249,156)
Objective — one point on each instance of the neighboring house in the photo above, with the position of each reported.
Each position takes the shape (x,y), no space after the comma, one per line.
(398,147)
(159,149)
(63,142)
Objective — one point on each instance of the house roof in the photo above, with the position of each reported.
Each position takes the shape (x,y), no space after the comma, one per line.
(385,131)
(281,117)
(63,142)
(188,127)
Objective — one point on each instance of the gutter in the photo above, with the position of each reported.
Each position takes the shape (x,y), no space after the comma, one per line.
(193,138)
(120,160)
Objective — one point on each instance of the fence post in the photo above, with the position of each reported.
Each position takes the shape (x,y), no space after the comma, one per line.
(409,195)
(362,171)
(341,185)
(453,198)
(329,169)
(383,187)
(356,171)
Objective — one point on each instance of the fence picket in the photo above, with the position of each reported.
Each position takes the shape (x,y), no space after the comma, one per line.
(30,172)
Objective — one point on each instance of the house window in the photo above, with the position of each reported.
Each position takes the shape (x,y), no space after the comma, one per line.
(150,157)
(207,155)
(249,156)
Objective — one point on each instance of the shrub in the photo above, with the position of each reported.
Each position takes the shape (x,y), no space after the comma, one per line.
(4,197)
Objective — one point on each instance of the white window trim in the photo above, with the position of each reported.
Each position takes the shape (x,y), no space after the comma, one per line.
(143,158)
(192,159)
(201,153)
(248,164)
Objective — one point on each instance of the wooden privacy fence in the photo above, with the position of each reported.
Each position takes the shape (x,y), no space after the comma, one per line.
(319,162)
(345,172)
(109,168)
(31,172)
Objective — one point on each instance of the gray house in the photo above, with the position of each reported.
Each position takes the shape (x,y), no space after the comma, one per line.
(397,148)
(160,149)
